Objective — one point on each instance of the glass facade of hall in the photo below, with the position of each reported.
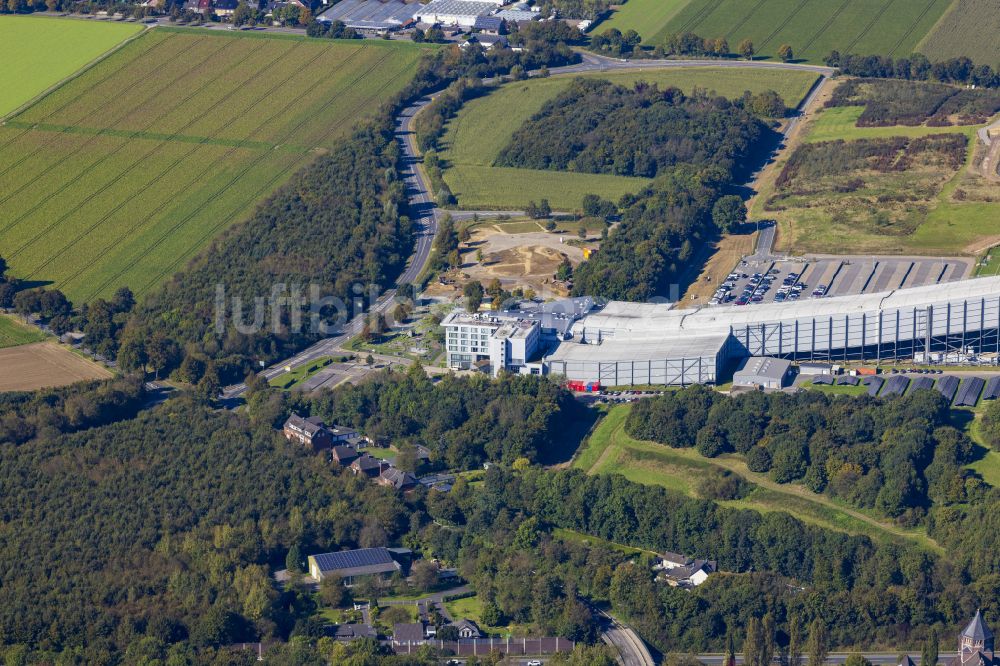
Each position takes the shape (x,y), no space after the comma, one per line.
(960,325)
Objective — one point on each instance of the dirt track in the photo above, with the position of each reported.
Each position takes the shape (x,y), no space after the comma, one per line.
(44,365)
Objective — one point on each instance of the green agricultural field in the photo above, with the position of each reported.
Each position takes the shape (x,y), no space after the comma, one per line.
(14,333)
(40,52)
(812,28)
(640,15)
(121,175)
(841,123)
(485,125)
(969,28)
(610,450)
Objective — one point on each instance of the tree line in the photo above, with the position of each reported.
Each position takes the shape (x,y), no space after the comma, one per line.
(916,67)
(901,457)
(906,102)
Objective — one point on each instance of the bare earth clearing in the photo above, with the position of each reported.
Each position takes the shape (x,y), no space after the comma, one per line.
(44,365)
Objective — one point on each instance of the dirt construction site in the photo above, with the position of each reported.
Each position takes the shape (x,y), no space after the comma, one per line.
(516,256)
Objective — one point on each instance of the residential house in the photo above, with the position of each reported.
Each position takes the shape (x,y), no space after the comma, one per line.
(673,560)
(344,454)
(409,634)
(369,466)
(352,565)
(691,575)
(467,629)
(226,7)
(491,25)
(351,632)
(343,433)
(397,478)
(309,432)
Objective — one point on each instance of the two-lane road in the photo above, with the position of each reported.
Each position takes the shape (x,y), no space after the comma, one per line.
(425,213)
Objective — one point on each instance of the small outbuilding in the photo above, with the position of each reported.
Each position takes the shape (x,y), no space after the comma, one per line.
(814,369)
(763,372)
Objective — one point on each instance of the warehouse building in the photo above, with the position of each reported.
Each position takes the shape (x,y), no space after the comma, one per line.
(641,343)
(763,372)
(461,13)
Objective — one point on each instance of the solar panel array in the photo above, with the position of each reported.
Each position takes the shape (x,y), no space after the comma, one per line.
(968,393)
(947,386)
(896,385)
(822,380)
(847,380)
(992,391)
(921,383)
(873,384)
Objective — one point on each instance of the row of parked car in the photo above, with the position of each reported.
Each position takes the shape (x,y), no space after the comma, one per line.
(756,288)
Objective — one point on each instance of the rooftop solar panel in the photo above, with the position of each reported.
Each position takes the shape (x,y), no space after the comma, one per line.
(873,384)
(921,383)
(992,391)
(847,380)
(896,385)
(968,393)
(349,559)
(947,386)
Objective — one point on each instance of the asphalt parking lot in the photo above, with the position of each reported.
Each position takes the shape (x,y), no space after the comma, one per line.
(790,280)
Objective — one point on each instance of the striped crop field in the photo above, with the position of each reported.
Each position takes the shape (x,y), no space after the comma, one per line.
(969,28)
(812,28)
(121,175)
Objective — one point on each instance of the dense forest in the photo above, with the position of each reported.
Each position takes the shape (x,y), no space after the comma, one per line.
(595,126)
(900,457)
(890,102)
(661,228)
(155,537)
(462,421)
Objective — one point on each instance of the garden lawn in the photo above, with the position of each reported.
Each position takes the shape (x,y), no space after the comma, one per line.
(39,52)
(485,125)
(812,28)
(180,136)
(14,333)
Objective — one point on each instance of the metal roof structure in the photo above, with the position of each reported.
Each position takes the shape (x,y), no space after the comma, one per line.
(992,390)
(356,562)
(947,386)
(968,392)
(646,349)
(371,13)
(977,630)
(873,384)
(644,319)
(470,8)
(762,367)
(896,385)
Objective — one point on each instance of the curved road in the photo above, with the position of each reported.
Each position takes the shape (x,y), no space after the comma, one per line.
(425,213)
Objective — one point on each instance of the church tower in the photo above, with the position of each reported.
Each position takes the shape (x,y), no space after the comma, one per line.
(975,644)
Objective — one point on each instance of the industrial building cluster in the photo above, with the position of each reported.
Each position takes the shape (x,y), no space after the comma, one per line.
(623,343)
(371,17)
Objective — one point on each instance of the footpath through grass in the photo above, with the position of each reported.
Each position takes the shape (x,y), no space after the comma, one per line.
(14,333)
(39,52)
(611,450)
(485,126)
